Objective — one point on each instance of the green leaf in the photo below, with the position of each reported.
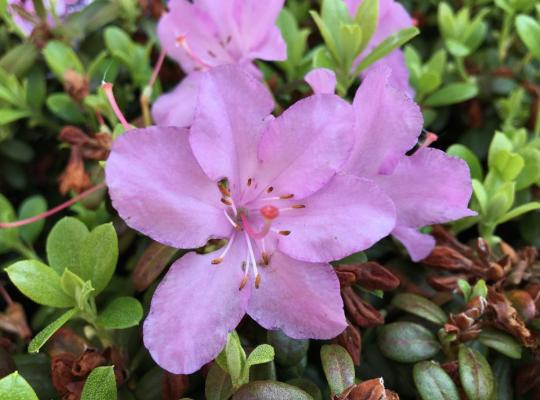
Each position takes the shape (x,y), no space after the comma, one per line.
(71,284)
(218,385)
(499,143)
(407,342)
(433,383)
(518,211)
(100,385)
(121,313)
(8,236)
(64,245)
(504,385)
(36,89)
(326,35)
(367,16)
(288,351)
(41,338)
(99,254)
(270,390)
(508,165)
(15,387)
(31,207)
(529,32)
(261,354)
(480,289)
(39,282)
(451,94)
(503,343)
(236,358)
(307,386)
(338,368)
(19,59)
(421,307)
(501,202)
(475,374)
(296,40)
(463,152)
(60,58)
(8,115)
(387,46)
(531,170)
(65,108)
(465,288)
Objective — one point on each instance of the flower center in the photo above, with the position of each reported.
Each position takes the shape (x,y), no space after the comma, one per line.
(254,222)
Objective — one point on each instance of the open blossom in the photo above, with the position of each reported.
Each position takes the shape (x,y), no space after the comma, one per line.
(272,188)
(427,187)
(392,18)
(208,33)
(24,13)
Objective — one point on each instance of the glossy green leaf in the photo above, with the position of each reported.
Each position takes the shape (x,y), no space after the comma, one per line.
(218,385)
(270,390)
(65,108)
(475,374)
(121,313)
(338,367)
(100,385)
(64,245)
(288,351)
(8,236)
(529,32)
(451,94)
(433,383)
(31,207)
(420,306)
(503,343)
(236,358)
(407,342)
(8,115)
(41,338)
(519,211)
(15,387)
(39,282)
(60,58)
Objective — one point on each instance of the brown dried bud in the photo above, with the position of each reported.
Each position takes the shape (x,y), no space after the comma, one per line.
(373,276)
(495,272)
(508,251)
(14,320)
(173,386)
(74,176)
(523,303)
(372,389)
(446,283)
(346,278)
(61,374)
(351,340)
(361,313)
(528,378)
(76,85)
(448,259)
(89,360)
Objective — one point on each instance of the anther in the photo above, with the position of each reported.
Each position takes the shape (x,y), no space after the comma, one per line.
(218,260)
(270,189)
(244,282)
(223,189)
(284,233)
(298,206)
(269,212)
(226,202)
(249,181)
(257,281)
(286,196)
(265,258)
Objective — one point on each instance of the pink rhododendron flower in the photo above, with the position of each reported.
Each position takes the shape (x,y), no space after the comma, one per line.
(272,188)
(24,14)
(208,33)
(392,18)
(428,187)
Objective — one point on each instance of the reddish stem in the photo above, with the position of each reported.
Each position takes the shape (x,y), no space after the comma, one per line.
(52,211)
(108,88)
(157,68)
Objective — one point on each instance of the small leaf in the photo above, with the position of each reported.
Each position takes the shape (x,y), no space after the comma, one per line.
(503,343)
(31,207)
(407,342)
(288,351)
(433,383)
(529,32)
(40,283)
(420,307)
(465,288)
(338,367)
(121,313)
(8,236)
(451,94)
(270,390)
(64,107)
(60,57)
(8,115)
(99,254)
(64,245)
(218,385)
(236,358)
(15,387)
(458,150)
(41,338)
(518,211)
(261,354)
(100,385)
(475,374)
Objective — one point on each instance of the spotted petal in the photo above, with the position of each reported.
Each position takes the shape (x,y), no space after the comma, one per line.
(158,188)
(302,299)
(347,216)
(194,308)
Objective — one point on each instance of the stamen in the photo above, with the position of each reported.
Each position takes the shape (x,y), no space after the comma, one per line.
(258,281)
(226,202)
(298,206)
(284,233)
(234,224)
(265,258)
(245,265)
(282,197)
(181,41)
(286,196)
(253,261)
(223,189)
(249,181)
(218,260)
(244,282)
(108,89)
(430,138)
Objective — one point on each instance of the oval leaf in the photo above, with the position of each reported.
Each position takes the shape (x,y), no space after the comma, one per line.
(64,245)
(503,343)
(420,307)
(100,385)
(452,94)
(407,342)
(475,374)
(218,384)
(41,338)
(270,390)
(121,313)
(433,383)
(15,387)
(338,367)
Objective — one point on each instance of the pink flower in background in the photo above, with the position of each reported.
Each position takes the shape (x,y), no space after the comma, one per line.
(271,187)
(392,18)
(24,14)
(208,33)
